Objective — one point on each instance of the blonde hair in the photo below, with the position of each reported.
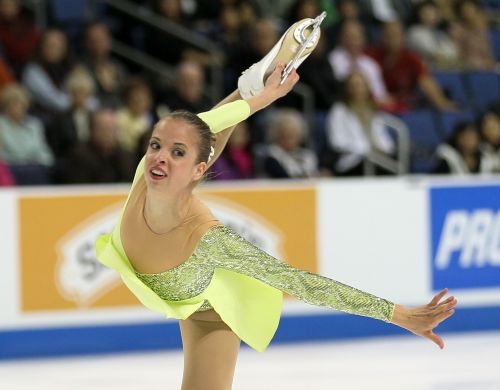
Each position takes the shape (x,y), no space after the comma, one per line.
(14,93)
(80,78)
(287,118)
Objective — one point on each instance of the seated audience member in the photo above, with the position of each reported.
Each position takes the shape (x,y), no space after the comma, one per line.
(6,76)
(461,154)
(349,56)
(46,75)
(285,157)
(355,128)
(346,10)
(108,73)
(100,159)
(18,35)
(403,72)
(317,73)
(189,89)
(135,118)
(22,137)
(6,178)
(470,32)
(236,160)
(72,127)
(431,42)
(490,136)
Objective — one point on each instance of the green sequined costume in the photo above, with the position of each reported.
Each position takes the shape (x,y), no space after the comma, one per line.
(242,283)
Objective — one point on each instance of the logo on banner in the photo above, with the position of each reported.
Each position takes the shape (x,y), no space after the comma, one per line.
(465,229)
(80,277)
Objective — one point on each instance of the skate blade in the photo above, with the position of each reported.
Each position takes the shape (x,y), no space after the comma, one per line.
(304,45)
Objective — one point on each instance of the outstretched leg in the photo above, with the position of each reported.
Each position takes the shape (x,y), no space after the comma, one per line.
(210,352)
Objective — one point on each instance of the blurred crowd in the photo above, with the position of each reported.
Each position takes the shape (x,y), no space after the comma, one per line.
(72,112)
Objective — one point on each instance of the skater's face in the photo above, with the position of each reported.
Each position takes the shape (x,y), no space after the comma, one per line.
(172,157)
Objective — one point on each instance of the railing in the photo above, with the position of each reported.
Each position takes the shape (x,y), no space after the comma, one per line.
(400,165)
(146,16)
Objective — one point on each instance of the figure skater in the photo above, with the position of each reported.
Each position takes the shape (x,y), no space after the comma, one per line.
(179,260)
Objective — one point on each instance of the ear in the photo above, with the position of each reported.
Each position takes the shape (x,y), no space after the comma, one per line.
(199,171)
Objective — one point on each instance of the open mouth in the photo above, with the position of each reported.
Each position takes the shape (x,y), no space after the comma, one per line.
(157,174)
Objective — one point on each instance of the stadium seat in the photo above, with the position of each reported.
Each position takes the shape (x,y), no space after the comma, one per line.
(495,42)
(448,121)
(484,87)
(453,85)
(424,139)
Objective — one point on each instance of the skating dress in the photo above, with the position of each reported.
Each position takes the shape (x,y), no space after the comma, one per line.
(216,268)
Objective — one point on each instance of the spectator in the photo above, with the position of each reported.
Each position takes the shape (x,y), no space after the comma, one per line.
(301,9)
(18,35)
(349,56)
(285,157)
(471,36)
(72,127)
(6,76)
(346,10)
(490,139)
(101,159)
(6,178)
(22,137)
(108,73)
(317,73)
(46,75)
(404,72)
(355,128)
(135,118)
(236,160)
(189,89)
(461,154)
(427,39)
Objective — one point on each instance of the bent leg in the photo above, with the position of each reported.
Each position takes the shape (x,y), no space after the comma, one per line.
(210,352)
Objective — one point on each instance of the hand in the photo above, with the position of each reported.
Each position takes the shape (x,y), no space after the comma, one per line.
(273,89)
(273,84)
(423,319)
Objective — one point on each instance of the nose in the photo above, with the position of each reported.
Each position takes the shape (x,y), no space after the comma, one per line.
(161,158)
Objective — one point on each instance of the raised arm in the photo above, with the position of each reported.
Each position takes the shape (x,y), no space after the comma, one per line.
(232,110)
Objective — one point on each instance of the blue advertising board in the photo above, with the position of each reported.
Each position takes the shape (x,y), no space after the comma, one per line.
(465,236)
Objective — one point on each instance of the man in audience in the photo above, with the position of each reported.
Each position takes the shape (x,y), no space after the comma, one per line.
(101,159)
(109,74)
(404,72)
(189,89)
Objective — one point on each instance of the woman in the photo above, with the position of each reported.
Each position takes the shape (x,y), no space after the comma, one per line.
(221,287)
(286,158)
(461,154)
(355,127)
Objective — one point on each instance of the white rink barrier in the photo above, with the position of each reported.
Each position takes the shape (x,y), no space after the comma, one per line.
(399,238)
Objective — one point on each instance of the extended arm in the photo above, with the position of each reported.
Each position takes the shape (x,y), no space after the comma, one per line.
(223,118)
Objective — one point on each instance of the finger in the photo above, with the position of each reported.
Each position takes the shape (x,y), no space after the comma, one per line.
(436,339)
(447,300)
(443,316)
(446,305)
(438,297)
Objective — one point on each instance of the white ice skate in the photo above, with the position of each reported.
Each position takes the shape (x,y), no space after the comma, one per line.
(292,49)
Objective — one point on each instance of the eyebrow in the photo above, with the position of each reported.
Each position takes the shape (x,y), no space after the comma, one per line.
(175,143)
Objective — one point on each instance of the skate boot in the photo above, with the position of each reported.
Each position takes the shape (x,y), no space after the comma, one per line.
(292,49)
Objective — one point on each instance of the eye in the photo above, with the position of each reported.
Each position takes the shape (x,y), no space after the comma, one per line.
(154,145)
(178,152)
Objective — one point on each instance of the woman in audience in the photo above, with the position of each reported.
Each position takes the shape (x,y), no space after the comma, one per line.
(135,118)
(426,38)
(22,137)
(46,75)
(490,139)
(471,36)
(236,160)
(461,154)
(285,157)
(72,127)
(355,127)
(6,179)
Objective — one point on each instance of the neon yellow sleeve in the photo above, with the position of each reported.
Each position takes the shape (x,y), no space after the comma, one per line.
(226,116)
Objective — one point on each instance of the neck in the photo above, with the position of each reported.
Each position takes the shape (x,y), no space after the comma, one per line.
(165,212)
